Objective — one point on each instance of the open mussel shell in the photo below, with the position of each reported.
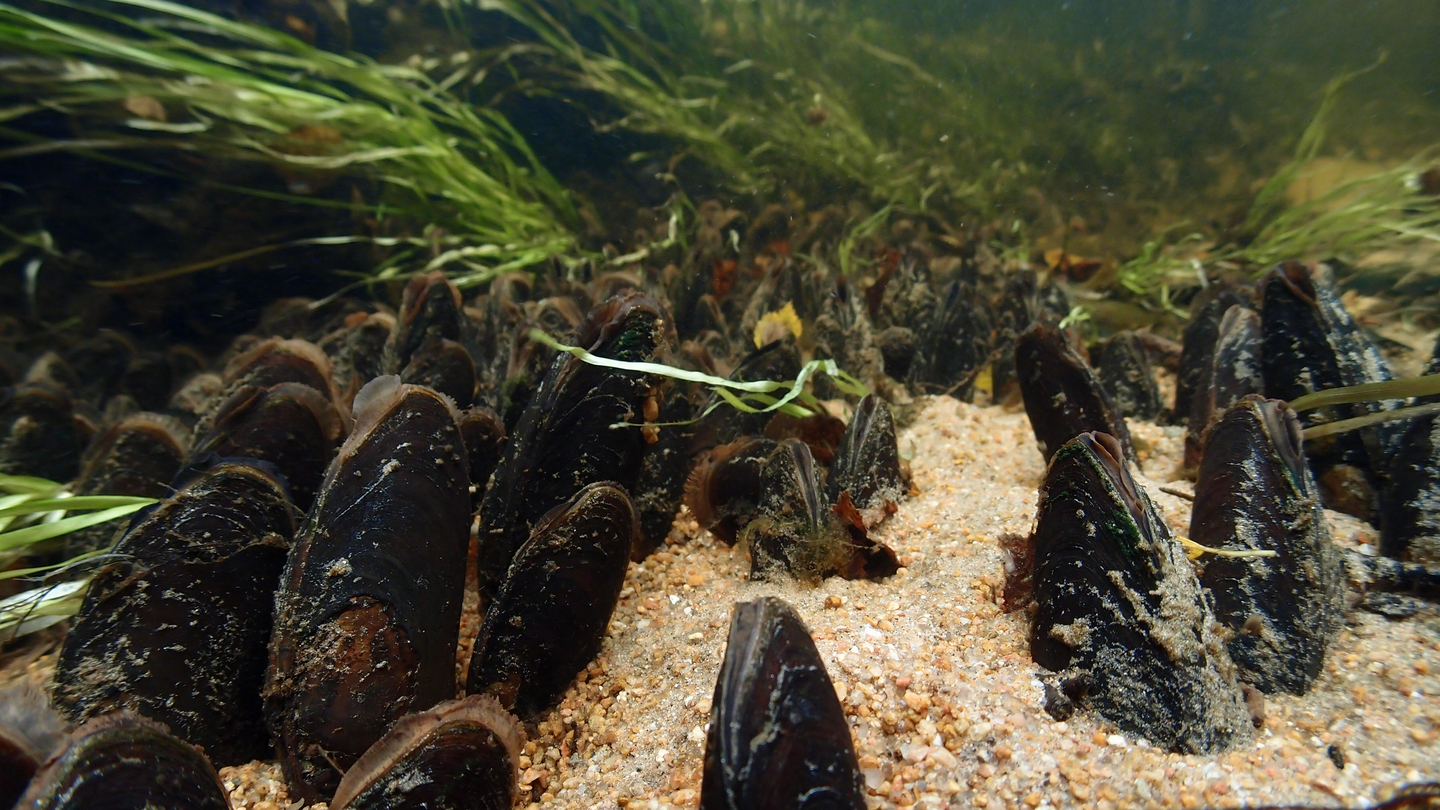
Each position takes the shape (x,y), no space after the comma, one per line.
(954,345)
(38,432)
(445,366)
(723,491)
(1255,492)
(550,616)
(121,760)
(867,462)
(1063,397)
(1311,343)
(1125,371)
(460,755)
(798,531)
(430,311)
(290,425)
(778,737)
(176,628)
(566,437)
(1234,370)
(1119,607)
(367,619)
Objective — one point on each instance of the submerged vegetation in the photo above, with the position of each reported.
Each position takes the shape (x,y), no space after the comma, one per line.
(1030,131)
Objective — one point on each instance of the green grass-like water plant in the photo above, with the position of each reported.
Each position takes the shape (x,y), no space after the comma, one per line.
(247,91)
(32,511)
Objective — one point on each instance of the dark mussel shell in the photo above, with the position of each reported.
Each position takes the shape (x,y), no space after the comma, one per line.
(139,456)
(176,628)
(271,362)
(356,350)
(147,380)
(842,332)
(99,363)
(1063,397)
(661,486)
(778,360)
(867,463)
(50,368)
(723,491)
(430,311)
(1197,344)
(778,737)
(1119,606)
(1234,371)
(1410,521)
(367,619)
(445,366)
(955,345)
(38,432)
(1256,492)
(800,533)
(1124,369)
(460,755)
(1310,343)
(292,426)
(550,616)
(565,439)
(123,761)
(484,436)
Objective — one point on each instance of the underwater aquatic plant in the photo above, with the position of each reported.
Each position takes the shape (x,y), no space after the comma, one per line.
(206,84)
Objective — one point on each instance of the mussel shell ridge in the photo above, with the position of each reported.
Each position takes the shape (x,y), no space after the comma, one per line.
(1118,601)
(367,619)
(123,761)
(460,755)
(1255,492)
(778,737)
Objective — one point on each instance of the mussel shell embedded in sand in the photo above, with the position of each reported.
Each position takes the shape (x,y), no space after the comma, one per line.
(954,345)
(1256,492)
(1410,521)
(430,311)
(1125,371)
(1311,343)
(550,615)
(1198,341)
(1063,397)
(564,440)
(177,627)
(445,366)
(778,737)
(723,491)
(368,614)
(1233,371)
(867,462)
(460,755)
(124,761)
(1119,604)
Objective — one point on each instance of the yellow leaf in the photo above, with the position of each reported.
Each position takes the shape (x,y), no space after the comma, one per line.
(774,325)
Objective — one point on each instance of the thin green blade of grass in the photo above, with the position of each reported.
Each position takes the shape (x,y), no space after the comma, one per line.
(1377,418)
(1423,386)
(29,535)
(75,503)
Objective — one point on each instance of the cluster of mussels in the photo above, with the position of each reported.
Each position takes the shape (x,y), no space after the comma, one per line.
(1119,612)
(298,588)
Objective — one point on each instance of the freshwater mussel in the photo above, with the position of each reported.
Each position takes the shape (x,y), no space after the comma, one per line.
(1410,521)
(176,627)
(1255,493)
(566,439)
(778,737)
(1119,612)
(1232,370)
(367,619)
(459,755)
(1063,397)
(121,760)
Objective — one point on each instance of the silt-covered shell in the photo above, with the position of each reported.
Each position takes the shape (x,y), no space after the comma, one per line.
(867,462)
(367,619)
(1063,397)
(176,628)
(1233,371)
(1125,371)
(1119,607)
(1255,492)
